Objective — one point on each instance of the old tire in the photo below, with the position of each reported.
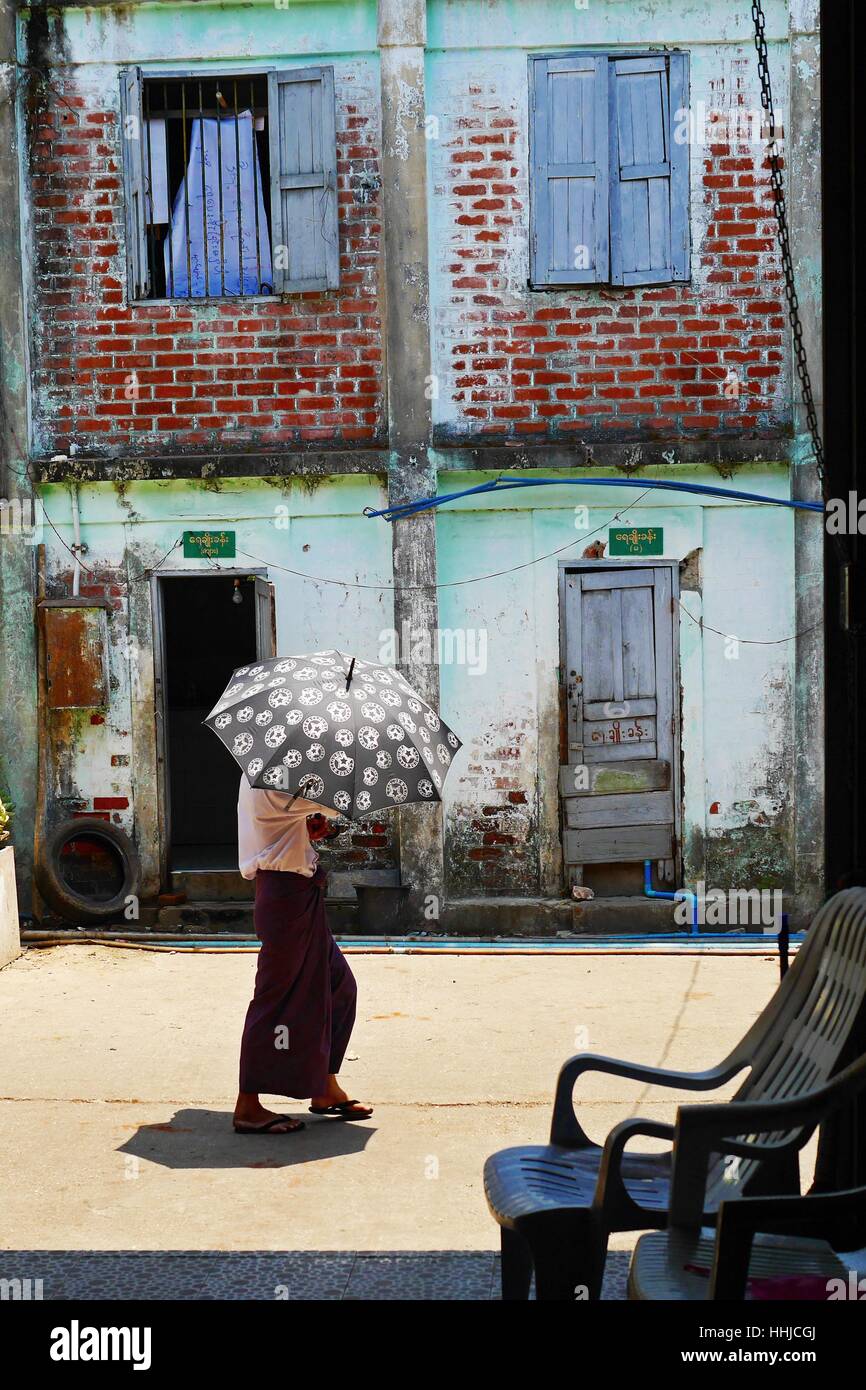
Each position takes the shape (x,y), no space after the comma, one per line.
(63,879)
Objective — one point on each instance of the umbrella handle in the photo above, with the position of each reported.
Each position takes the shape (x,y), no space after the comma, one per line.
(300,790)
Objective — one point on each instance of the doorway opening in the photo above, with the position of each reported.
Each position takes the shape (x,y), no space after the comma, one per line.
(207,626)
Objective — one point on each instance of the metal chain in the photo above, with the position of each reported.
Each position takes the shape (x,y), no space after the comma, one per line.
(780,210)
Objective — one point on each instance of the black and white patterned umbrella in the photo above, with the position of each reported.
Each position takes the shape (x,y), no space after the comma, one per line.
(346,733)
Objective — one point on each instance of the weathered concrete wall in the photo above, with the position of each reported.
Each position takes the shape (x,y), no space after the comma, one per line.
(18,736)
(806,239)
(641,363)
(472,358)
(402,33)
(106,764)
(232,375)
(499,658)
(10,936)
(587,362)
(749,731)
(502,803)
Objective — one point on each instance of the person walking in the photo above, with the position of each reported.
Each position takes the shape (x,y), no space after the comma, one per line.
(300,1018)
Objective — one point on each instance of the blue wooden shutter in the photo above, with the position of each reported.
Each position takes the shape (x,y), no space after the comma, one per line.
(132,142)
(649,192)
(303,154)
(569,187)
(678,87)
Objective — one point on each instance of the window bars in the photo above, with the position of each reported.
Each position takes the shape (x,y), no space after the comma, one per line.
(207,210)
(230,183)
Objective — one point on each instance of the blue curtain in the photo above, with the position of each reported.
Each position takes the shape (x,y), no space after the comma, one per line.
(228,147)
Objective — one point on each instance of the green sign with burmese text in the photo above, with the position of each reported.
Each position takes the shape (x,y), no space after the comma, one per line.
(636,540)
(208,544)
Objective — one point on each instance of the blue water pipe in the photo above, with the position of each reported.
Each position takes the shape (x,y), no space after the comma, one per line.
(681,894)
(501,484)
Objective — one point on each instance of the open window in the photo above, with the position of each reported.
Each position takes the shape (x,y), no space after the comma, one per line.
(230,184)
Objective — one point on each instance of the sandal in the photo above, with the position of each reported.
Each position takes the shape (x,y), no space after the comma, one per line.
(270,1126)
(344,1110)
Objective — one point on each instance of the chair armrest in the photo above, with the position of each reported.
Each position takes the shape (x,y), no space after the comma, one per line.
(819,1217)
(610,1190)
(564,1127)
(705,1129)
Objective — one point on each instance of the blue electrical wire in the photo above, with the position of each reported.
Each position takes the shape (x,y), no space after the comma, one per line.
(423,504)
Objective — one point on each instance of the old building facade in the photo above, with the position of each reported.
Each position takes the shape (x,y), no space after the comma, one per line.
(474,240)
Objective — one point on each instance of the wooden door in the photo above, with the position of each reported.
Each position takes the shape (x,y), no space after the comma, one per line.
(266,620)
(620,783)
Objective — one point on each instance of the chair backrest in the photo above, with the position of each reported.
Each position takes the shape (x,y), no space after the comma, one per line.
(795,1044)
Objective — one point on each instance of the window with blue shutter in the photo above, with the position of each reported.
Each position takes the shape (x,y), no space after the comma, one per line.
(610,183)
(230,183)
(304,180)
(570,170)
(134,188)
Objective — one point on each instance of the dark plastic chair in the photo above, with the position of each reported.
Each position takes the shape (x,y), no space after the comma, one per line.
(557,1203)
(755,1237)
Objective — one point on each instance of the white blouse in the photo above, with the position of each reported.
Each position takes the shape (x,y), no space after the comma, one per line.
(272,831)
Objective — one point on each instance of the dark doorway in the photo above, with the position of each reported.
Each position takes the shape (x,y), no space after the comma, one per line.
(206,634)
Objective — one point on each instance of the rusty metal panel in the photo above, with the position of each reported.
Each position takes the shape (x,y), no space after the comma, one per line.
(76,656)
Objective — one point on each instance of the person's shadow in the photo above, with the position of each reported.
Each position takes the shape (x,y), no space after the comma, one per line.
(205,1139)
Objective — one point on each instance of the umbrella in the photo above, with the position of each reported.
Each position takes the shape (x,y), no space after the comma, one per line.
(347,733)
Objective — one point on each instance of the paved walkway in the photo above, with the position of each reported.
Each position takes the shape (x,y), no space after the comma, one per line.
(117,1088)
(270,1275)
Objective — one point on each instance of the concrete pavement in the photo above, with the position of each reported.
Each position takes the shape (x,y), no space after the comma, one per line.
(119,1068)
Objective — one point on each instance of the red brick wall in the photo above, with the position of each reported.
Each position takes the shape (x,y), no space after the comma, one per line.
(493,830)
(365,845)
(109,585)
(598,362)
(229,376)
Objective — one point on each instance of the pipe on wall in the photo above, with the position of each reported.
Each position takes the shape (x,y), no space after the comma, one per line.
(680,895)
(500,484)
(76,539)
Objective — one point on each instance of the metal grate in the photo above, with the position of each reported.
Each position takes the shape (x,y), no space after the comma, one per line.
(208,202)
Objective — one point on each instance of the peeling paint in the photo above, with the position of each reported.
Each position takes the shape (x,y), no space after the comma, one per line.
(502,804)
(408,116)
